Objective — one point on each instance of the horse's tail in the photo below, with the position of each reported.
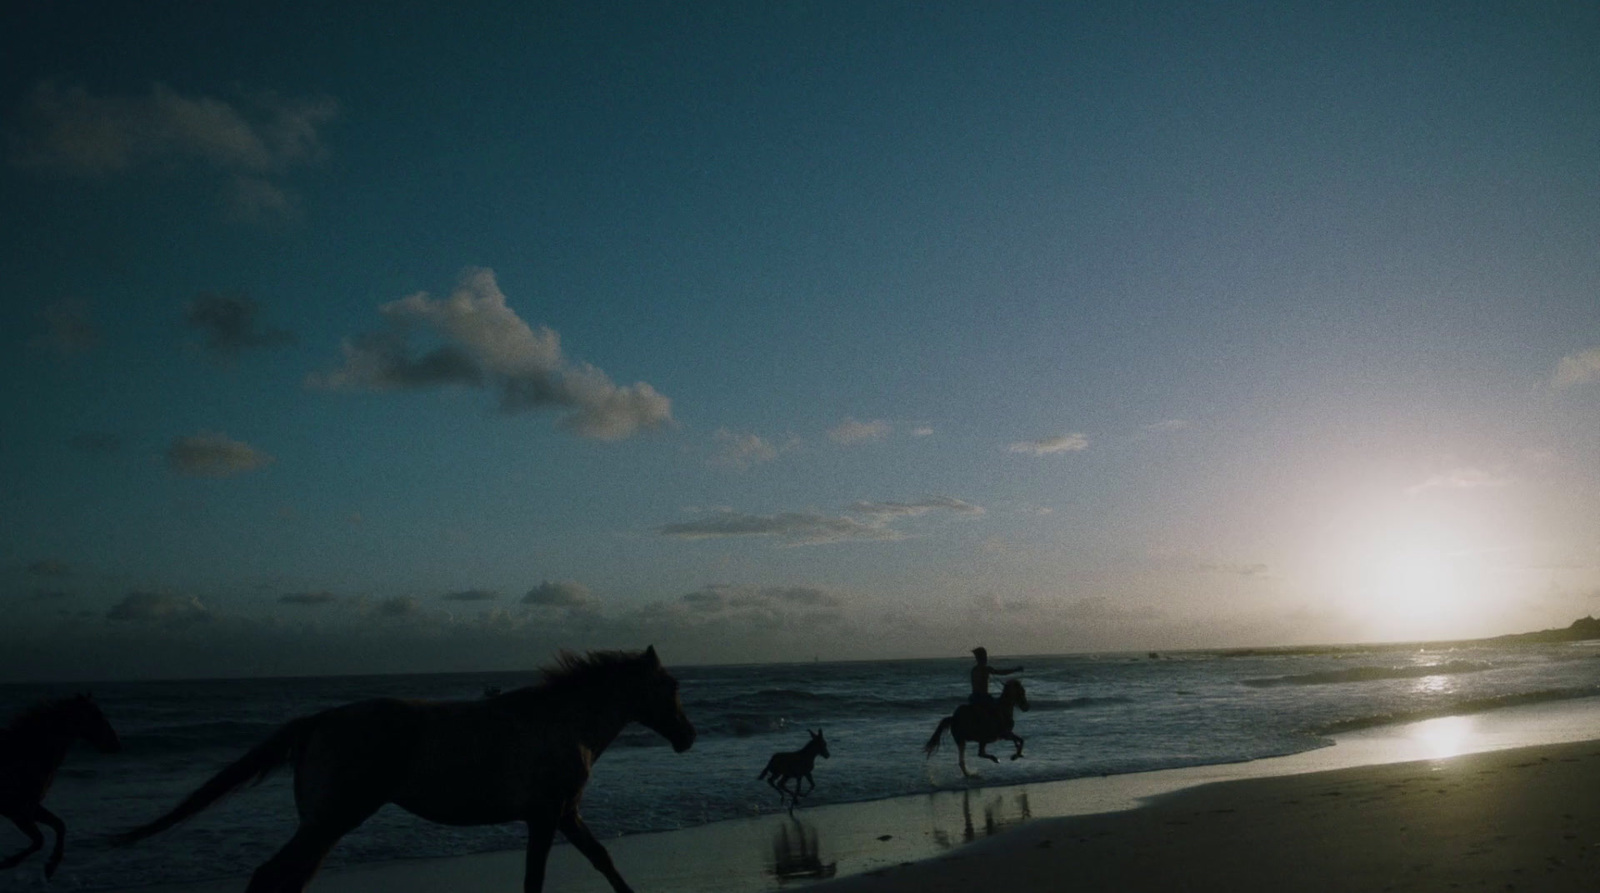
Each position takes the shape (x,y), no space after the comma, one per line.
(768,770)
(251,768)
(938,736)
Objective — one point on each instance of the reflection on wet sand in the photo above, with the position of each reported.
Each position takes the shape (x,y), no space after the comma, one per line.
(797,854)
(1001,810)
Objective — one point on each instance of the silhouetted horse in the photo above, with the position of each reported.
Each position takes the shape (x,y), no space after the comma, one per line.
(983,725)
(31,751)
(795,765)
(520,756)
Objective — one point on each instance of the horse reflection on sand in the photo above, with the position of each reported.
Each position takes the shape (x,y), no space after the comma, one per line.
(524,755)
(996,817)
(797,854)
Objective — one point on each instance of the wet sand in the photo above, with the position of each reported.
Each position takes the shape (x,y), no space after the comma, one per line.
(1524,819)
(1461,812)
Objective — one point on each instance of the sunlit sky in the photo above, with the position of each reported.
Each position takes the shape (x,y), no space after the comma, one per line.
(347,339)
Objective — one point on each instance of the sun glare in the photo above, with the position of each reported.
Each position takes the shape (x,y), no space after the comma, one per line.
(1416,582)
(1406,576)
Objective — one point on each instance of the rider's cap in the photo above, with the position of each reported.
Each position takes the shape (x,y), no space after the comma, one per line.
(980,651)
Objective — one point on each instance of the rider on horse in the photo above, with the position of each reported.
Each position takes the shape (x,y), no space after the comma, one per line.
(980,696)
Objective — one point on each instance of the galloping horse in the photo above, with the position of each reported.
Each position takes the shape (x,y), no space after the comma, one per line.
(31,751)
(984,725)
(795,765)
(524,755)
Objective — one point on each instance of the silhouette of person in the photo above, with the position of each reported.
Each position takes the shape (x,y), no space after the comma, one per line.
(980,696)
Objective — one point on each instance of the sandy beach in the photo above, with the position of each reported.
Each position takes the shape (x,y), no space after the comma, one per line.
(1453,803)
(1522,819)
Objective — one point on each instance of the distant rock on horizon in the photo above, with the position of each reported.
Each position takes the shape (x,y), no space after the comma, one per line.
(1581,629)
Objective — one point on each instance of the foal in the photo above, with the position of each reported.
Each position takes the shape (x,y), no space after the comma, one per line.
(795,765)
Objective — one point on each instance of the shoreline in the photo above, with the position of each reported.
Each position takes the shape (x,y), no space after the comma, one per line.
(857,843)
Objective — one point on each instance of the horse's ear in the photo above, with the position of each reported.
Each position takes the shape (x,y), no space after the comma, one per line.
(651,658)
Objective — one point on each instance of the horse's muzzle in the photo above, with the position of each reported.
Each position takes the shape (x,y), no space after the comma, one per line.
(683,739)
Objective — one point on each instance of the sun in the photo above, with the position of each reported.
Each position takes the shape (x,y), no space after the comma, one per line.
(1415,582)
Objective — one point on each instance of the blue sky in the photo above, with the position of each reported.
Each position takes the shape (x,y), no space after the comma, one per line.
(343,341)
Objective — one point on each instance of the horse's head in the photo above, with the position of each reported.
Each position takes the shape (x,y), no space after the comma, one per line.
(818,743)
(1013,693)
(84,719)
(657,706)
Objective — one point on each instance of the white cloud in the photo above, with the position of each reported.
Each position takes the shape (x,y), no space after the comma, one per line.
(861,521)
(741,450)
(486,344)
(1065,443)
(560,594)
(912,509)
(1579,368)
(851,431)
(396,607)
(764,605)
(214,455)
(923,431)
(157,606)
(797,528)
(69,130)
(230,324)
(1462,478)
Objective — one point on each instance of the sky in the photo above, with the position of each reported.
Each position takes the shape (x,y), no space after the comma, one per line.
(340,340)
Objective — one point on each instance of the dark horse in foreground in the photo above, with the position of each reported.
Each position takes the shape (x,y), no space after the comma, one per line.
(31,751)
(520,756)
(795,765)
(983,724)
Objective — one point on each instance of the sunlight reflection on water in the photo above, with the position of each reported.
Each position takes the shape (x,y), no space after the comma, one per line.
(1446,736)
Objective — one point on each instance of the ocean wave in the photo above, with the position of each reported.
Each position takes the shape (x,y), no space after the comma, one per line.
(196,736)
(1457,708)
(1370,674)
(1077,703)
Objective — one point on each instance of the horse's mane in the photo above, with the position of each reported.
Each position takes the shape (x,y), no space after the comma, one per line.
(575,675)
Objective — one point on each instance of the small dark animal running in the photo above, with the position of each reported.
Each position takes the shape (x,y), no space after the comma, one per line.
(795,765)
(31,751)
(520,756)
(984,725)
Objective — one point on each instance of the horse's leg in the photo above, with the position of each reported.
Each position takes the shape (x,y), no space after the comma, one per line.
(578,833)
(541,833)
(983,751)
(291,868)
(35,837)
(961,757)
(54,823)
(1017,738)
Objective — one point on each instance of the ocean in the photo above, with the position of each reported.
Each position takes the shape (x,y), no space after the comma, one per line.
(1092,715)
